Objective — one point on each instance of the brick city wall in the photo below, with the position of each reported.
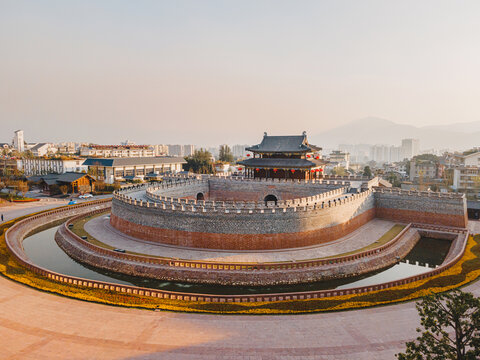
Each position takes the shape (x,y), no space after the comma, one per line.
(226,189)
(241,241)
(287,227)
(190,191)
(322,217)
(426,208)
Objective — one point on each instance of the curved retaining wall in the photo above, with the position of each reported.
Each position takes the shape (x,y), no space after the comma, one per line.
(14,237)
(237,273)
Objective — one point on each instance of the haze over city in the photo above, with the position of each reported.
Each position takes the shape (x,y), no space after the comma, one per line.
(215,72)
(241,179)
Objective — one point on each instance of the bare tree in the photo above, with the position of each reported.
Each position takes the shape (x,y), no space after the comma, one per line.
(64,189)
(22,187)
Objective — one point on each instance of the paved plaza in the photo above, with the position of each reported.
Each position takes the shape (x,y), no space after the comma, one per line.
(101,229)
(37,325)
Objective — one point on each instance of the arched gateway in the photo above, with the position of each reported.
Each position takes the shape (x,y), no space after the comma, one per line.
(270,198)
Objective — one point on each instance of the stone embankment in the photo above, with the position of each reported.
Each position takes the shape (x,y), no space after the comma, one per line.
(238,273)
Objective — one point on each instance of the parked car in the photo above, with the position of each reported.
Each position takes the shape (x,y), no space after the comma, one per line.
(85,196)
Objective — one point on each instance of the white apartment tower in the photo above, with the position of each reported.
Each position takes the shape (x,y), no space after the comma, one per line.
(410,148)
(18,141)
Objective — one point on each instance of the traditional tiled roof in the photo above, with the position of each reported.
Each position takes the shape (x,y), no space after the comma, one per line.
(281,163)
(286,144)
(52,179)
(130,161)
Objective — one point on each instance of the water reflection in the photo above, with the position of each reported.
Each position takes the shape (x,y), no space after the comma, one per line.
(44,251)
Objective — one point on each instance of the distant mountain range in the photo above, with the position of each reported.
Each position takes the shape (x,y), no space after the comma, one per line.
(373,130)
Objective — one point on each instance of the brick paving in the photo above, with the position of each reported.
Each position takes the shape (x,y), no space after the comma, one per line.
(37,325)
(367,234)
(474,226)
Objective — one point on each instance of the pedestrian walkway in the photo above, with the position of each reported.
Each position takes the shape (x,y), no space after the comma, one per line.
(101,229)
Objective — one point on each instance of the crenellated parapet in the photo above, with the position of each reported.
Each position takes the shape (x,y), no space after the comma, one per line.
(233,215)
(155,198)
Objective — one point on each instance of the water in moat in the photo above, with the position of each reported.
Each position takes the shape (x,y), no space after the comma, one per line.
(44,251)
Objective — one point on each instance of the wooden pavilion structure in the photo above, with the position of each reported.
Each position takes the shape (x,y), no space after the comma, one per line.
(284,157)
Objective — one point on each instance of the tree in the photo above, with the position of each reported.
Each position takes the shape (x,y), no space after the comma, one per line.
(22,187)
(64,189)
(394,179)
(339,171)
(225,154)
(200,162)
(451,323)
(367,171)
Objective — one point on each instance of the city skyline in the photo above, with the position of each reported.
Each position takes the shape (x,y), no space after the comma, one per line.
(178,72)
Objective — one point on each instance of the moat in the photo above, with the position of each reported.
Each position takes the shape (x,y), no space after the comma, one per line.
(44,251)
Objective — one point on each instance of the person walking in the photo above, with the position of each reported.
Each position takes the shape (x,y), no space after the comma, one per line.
(2,217)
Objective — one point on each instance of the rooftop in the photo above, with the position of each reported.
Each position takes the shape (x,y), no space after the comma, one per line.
(52,179)
(284,144)
(128,161)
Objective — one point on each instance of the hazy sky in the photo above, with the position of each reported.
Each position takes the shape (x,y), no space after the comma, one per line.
(208,72)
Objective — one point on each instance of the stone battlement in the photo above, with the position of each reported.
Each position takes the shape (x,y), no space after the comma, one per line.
(305,213)
(419,193)
(328,198)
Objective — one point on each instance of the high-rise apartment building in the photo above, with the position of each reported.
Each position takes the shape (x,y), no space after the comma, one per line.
(175,150)
(239,151)
(18,141)
(188,150)
(410,148)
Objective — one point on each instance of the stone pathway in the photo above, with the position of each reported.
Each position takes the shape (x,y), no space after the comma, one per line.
(101,229)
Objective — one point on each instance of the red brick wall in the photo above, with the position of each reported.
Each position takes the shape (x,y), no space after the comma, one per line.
(408,216)
(241,241)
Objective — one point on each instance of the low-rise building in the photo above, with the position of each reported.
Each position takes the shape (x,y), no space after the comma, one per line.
(8,166)
(425,170)
(73,182)
(340,159)
(117,151)
(113,169)
(41,166)
(40,149)
(466,179)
